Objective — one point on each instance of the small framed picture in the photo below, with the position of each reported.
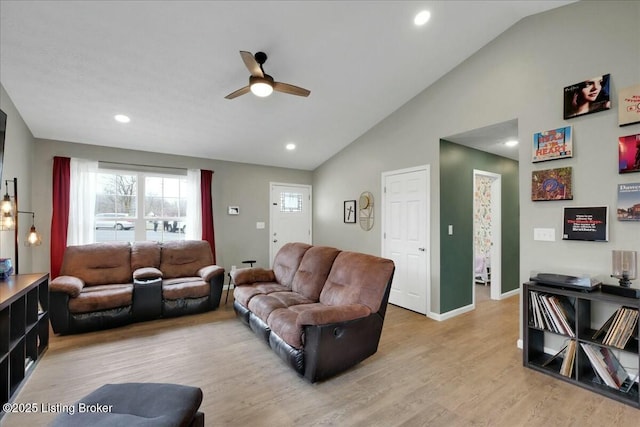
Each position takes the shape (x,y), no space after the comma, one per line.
(552,144)
(629,105)
(350,211)
(589,96)
(629,153)
(552,184)
(234,210)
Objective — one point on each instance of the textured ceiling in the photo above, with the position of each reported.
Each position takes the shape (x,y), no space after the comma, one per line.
(70,66)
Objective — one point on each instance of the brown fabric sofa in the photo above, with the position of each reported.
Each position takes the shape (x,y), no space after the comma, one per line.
(320,309)
(103,285)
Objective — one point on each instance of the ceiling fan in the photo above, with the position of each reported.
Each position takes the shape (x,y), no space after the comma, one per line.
(260,83)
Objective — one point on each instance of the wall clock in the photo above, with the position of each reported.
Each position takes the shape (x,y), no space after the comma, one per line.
(365,211)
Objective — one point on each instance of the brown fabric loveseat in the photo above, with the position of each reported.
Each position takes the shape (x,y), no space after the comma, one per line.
(103,285)
(320,309)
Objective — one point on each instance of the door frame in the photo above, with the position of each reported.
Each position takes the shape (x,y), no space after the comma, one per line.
(427,237)
(310,213)
(496,234)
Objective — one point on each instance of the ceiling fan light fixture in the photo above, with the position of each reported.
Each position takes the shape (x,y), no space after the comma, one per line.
(261,86)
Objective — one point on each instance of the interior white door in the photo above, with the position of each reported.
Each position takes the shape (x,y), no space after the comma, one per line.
(290,217)
(405,237)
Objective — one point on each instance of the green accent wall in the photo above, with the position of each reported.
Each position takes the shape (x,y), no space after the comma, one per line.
(457,163)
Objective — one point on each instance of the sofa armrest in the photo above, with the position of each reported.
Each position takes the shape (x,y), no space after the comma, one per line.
(332,314)
(70,285)
(147,273)
(210,271)
(244,276)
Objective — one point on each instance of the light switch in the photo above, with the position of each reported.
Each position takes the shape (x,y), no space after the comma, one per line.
(450,229)
(544,234)
(260,225)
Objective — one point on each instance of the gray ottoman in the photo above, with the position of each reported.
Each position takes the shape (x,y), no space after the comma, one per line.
(136,404)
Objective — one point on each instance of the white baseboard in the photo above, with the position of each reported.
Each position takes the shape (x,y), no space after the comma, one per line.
(510,294)
(453,313)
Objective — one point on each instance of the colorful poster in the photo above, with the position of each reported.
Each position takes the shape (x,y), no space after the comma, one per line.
(629,105)
(552,144)
(589,96)
(629,153)
(586,223)
(629,202)
(552,184)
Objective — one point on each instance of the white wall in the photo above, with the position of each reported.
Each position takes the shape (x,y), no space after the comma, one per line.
(521,74)
(18,157)
(235,184)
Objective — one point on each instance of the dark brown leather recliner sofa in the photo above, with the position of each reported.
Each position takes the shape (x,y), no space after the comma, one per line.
(104,285)
(320,309)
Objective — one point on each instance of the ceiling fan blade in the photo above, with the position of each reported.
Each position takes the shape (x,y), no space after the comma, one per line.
(238,92)
(251,64)
(290,89)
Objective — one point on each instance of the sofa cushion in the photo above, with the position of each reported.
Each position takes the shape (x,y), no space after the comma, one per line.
(244,293)
(263,305)
(287,261)
(98,263)
(283,322)
(313,271)
(183,258)
(244,276)
(146,273)
(145,254)
(357,278)
(101,297)
(185,287)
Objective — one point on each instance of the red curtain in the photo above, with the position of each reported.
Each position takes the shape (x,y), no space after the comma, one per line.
(206,177)
(60,216)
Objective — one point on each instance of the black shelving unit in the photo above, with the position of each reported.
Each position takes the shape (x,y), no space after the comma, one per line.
(583,375)
(24,329)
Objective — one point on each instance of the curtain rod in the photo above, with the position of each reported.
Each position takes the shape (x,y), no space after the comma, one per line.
(101,162)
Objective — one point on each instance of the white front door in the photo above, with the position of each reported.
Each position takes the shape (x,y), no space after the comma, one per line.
(405,235)
(290,218)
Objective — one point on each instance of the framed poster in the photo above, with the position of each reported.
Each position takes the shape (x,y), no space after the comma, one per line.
(552,184)
(586,223)
(629,153)
(552,144)
(589,96)
(629,105)
(628,202)
(350,211)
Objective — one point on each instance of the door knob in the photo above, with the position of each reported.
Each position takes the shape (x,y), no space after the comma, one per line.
(275,240)
(421,249)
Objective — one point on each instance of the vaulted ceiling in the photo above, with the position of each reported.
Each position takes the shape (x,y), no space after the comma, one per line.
(70,66)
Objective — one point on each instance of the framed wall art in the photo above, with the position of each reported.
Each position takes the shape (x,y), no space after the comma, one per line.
(629,153)
(628,202)
(552,184)
(589,96)
(629,105)
(350,211)
(552,144)
(586,223)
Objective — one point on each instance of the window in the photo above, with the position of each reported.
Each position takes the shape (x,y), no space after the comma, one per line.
(290,202)
(159,214)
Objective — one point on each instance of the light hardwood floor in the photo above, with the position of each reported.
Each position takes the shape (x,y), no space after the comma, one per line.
(466,371)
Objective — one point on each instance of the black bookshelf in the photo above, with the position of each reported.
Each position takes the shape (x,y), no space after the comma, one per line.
(583,374)
(24,329)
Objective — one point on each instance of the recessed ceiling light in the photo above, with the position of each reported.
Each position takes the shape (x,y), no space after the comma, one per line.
(122,118)
(422,18)
(291,146)
(511,143)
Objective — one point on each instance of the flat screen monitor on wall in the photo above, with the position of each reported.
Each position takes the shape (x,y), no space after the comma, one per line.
(3,130)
